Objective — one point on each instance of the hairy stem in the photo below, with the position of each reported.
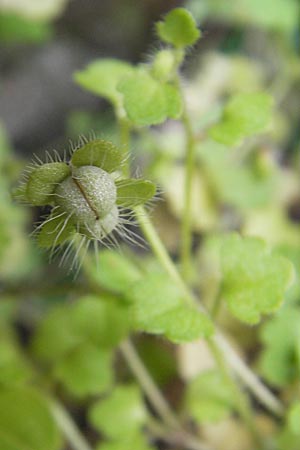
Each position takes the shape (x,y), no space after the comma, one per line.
(249,379)
(68,427)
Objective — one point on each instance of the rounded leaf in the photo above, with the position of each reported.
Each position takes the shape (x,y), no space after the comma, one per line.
(102,77)
(56,230)
(179,28)
(26,422)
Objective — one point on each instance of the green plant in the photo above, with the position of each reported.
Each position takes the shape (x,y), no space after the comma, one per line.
(242,278)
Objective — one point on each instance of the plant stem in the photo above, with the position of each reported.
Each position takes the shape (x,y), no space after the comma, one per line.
(240,400)
(124,138)
(68,426)
(149,387)
(157,400)
(261,392)
(186,227)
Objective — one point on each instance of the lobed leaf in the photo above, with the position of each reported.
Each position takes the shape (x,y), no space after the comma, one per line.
(132,193)
(99,153)
(114,271)
(178,28)
(254,280)
(245,115)
(26,422)
(208,397)
(43,181)
(86,370)
(121,414)
(157,307)
(103,76)
(148,101)
(279,362)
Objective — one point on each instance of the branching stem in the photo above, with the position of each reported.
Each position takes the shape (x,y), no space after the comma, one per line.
(249,379)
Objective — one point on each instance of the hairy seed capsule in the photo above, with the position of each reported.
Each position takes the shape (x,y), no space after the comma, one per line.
(89,196)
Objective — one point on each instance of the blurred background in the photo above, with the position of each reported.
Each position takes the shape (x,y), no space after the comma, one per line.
(246,46)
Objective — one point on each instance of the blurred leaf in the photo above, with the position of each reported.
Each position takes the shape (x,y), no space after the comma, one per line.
(35,10)
(121,414)
(178,28)
(131,441)
(103,76)
(99,153)
(269,14)
(254,280)
(134,192)
(208,397)
(293,418)
(14,368)
(14,28)
(279,362)
(147,101)
(55,336)
(156,307)
(25,421)
(234,183)
(245,115)
(114,271)
(86,370)
(102,321)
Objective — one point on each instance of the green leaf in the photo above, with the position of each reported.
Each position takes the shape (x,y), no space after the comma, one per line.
(18,29)
(245,115)
(279,362)
(102,321)
(236,183)
(156,307)
(55,230)
(55,336)
(208,397)
(121,414)
(14,368)
(86,370)
(99,153)
(26,422)
(131,192)
(114,271)
(151,297)
(43,181)
(183,324)
(178,28)
(103,76)
(136,441)
(254,280)
(147,101)
(293,419)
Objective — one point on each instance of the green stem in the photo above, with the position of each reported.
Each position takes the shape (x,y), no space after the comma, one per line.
(68,426)
(261,392)
(149,387)
(124,137)
(240,400)
(186,227)
(156,398)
